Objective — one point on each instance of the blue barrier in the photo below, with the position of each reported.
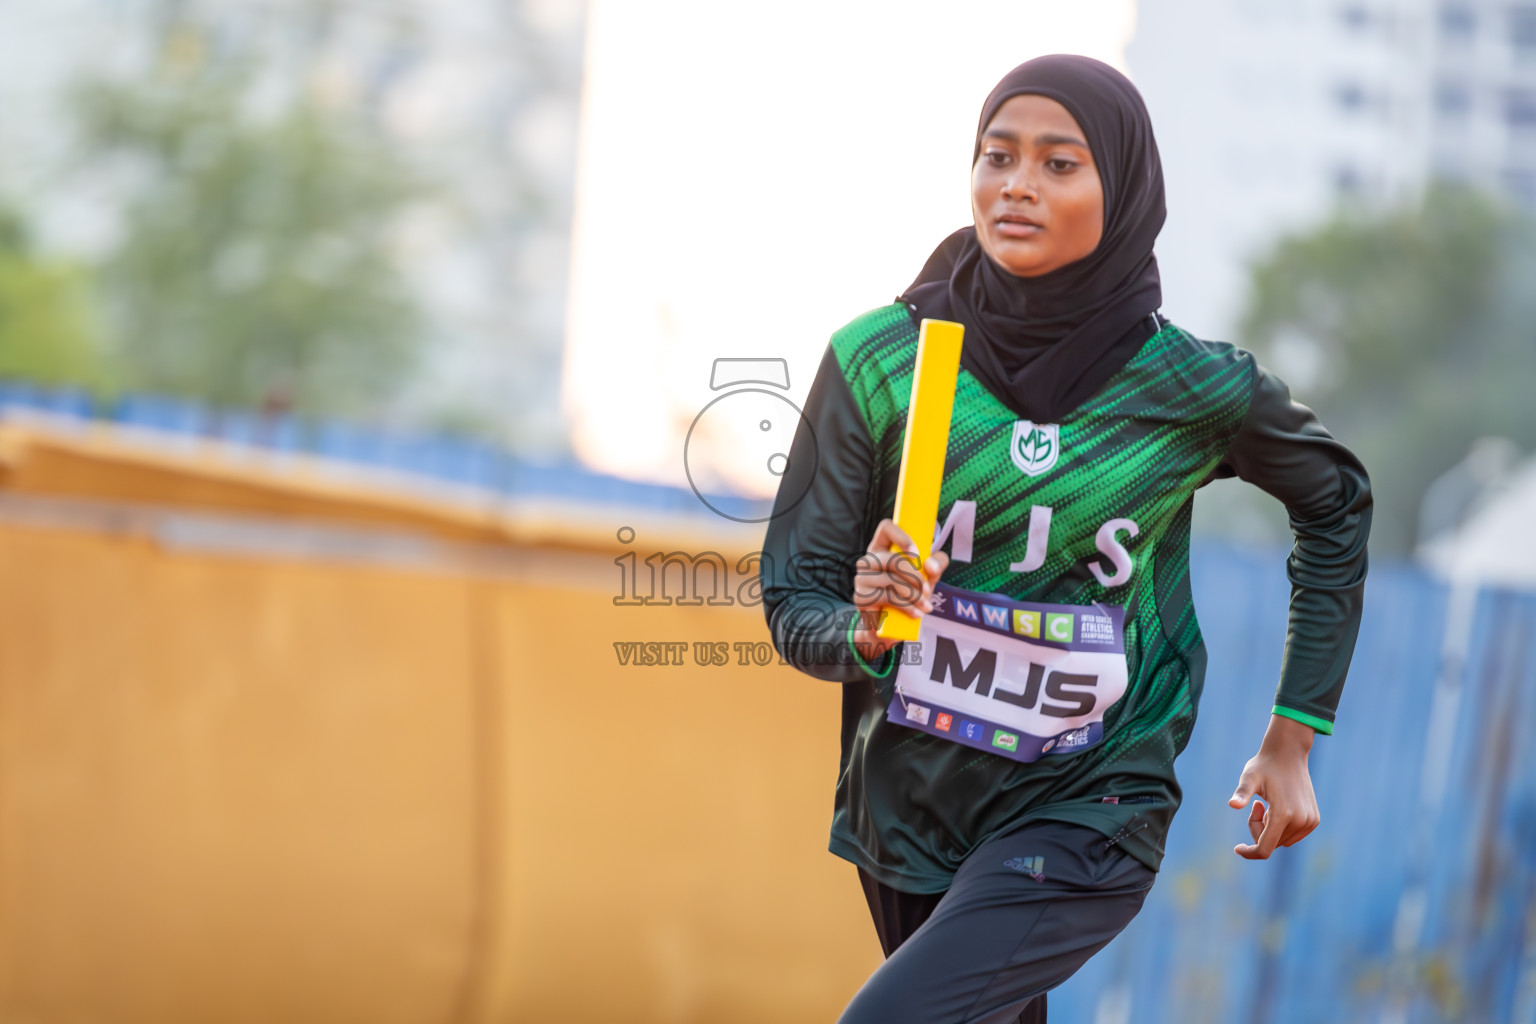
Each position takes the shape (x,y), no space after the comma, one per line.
(450,460)
(55,401)
(168,414)
(1325,931)
(275,433)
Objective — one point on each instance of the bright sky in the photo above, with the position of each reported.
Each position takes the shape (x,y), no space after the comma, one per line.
(752,177)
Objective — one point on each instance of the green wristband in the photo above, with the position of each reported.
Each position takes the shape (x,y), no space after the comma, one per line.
(890,661)
(1320,724)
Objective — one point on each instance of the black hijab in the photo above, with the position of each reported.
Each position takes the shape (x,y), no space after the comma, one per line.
(1045,344)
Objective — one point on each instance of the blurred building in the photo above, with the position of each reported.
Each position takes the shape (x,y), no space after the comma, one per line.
(1483,96)
(481,95)
(1269,113)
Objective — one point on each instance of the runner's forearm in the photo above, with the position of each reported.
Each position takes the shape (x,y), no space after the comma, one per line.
(1283,449)
(819,527)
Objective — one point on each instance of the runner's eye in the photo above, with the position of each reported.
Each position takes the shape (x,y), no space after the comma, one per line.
(1061,165)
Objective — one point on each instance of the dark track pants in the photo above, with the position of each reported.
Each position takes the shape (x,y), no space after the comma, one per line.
(1025,911)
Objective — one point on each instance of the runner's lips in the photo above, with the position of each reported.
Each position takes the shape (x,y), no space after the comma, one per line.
(1018,225)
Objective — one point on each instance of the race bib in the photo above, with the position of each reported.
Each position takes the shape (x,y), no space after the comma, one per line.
(1016,679)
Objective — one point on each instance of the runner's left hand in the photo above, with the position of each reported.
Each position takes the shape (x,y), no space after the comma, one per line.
(1277,775)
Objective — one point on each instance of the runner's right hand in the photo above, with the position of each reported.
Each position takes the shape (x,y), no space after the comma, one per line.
(889,580)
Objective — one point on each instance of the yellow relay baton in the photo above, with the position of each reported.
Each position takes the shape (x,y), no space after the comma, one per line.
(923,450)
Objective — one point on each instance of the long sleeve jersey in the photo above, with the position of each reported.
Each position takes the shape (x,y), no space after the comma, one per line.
(1075,531)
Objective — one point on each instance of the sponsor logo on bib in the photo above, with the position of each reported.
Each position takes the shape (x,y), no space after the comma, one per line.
(1059,627)
(1075,738)
(1035,446)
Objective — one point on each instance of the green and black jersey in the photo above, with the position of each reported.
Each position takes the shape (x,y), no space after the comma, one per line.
(1094,509)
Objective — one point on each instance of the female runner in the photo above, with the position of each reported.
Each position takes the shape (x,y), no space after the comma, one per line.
(1006,784)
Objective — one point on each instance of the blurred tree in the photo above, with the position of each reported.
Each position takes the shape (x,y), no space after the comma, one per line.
(1411,331)
(254,262)
(46,333)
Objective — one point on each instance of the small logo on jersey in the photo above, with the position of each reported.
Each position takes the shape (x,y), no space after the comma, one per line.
(942,722)
(1034,447)
(970,730)
(1005,741)
(1034,867)
(917,713)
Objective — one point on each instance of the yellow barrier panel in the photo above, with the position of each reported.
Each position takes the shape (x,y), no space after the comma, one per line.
(923,450)
(277,747)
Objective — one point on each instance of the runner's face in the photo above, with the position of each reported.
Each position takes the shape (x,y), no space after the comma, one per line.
(1035,191)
